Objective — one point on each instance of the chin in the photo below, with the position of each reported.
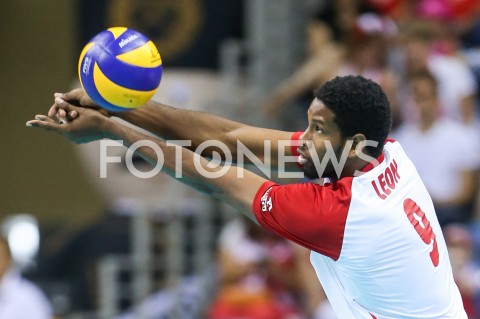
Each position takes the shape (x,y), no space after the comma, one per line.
(310,172)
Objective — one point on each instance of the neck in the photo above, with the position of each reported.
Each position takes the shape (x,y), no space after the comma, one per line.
(355,165)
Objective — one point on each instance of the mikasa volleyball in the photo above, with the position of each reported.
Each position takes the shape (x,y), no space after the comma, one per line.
(120,69)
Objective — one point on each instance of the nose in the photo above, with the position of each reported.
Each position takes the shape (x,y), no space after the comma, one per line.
(303,139)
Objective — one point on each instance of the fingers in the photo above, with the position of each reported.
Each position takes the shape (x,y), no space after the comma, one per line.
(64,117)
(61,110)
(67,115)
(45,122)
(44,118)
(60,114)
(75,94)
(60,107)
(45,125)
(64,111)
(53,110)
(78,97)
(64,106)
(72,115)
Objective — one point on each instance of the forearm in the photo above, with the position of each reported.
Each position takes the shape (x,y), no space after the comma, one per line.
(157,152)
(191,168)
(193,126)
(178,124)
(199,127)
(235,185)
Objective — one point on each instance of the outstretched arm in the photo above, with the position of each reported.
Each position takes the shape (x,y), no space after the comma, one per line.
(178,124)
(220,181)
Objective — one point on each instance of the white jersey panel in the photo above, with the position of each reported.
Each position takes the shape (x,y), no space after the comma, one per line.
(394,261)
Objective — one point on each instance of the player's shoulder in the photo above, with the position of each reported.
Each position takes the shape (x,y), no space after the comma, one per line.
(393,148)
(389,141)
(386,165)
(392,151)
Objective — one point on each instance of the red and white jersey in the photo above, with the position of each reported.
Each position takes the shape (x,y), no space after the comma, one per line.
(377,247)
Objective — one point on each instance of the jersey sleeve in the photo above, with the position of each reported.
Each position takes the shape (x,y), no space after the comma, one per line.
(311,215)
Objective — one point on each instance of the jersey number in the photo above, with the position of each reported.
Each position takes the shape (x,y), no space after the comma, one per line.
(419,221)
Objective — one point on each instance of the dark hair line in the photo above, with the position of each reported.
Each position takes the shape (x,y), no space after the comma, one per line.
(360,106)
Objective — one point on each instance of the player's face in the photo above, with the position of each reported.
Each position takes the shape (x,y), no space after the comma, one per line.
(322,136)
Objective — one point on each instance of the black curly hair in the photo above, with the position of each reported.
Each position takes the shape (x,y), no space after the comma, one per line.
(360,106)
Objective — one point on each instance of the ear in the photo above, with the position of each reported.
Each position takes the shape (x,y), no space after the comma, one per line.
(358,139)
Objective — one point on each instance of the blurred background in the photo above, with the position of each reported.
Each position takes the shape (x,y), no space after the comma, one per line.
(124,247)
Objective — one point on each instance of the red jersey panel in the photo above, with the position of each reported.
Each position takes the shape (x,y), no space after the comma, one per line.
(320,213)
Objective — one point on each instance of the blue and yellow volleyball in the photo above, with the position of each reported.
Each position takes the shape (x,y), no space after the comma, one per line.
(120,69)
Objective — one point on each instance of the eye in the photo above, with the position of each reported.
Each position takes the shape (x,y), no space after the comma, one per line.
(318,129)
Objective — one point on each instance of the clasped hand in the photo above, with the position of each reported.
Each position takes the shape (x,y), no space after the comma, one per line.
(75,116)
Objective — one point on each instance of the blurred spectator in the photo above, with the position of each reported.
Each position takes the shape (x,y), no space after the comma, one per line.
(397,9)
(447,10)
(364,52)
(257,275)
(431,46)
(443,152)
(465,271)
(324,57)
(470,41)
(472,56)
(19,298)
